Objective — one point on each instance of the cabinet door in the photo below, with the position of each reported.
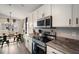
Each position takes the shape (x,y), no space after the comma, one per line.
(76,15)
(52,51)
(29,44)
(35,23)
(35,18)
(30,24)
(26,41)
(53,11)
(35,15)
(62,15)
(47,10)
(40,12)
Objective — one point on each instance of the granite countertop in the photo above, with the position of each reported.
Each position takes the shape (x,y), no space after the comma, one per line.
(65,45)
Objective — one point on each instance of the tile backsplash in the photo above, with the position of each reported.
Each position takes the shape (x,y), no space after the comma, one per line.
(72,33)
(67,32)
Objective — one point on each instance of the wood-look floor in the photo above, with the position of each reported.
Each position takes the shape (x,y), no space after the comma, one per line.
(14,48)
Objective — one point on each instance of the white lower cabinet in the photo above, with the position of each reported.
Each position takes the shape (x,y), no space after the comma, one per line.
(28,43)
(51,50)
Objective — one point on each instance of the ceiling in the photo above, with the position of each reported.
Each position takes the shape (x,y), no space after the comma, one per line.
(19,11)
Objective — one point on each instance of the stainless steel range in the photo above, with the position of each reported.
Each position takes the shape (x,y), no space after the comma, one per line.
(39,42)
(38,47)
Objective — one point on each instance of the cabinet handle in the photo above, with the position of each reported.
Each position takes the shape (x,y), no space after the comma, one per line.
(76,20)
(69,21)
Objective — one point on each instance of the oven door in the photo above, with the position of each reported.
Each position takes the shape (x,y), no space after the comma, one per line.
(38,49)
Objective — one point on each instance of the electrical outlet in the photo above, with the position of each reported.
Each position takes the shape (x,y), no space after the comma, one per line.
(73,33)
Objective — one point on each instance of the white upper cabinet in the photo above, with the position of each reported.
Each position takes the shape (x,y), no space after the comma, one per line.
(35,15)
(44,11)
(35,18)
(53,11)
(30,24)
(62,16)
(47,10)
(40,12)
(76,15)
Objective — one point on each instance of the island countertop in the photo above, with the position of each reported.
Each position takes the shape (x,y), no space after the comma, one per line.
(65,45)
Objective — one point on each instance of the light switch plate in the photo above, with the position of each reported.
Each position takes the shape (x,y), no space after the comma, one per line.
(73,33)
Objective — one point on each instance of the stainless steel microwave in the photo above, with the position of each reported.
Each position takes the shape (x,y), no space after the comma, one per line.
(45,22)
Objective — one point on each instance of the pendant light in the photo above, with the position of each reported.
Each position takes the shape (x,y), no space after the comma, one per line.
(8,20)
(14,20)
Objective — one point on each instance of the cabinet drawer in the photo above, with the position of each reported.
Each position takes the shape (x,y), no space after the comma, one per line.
(53,51)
